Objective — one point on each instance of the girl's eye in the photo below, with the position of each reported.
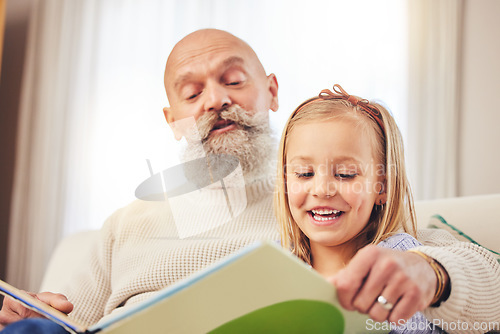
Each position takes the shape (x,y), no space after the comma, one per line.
(346,176)
(304,175)
(233,83)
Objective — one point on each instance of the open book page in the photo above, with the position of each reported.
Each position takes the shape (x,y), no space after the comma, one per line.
(259,288)
(41,308)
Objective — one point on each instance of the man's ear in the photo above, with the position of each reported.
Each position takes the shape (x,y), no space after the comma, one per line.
(273,89)
(168,117)
(171,122)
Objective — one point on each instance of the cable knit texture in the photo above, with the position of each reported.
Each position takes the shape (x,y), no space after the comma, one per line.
(474,302)
(139,252)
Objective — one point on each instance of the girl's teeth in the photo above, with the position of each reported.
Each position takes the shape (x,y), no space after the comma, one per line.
(324,218)
(325,212)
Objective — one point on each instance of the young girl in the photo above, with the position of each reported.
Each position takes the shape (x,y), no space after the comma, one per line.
(342,184)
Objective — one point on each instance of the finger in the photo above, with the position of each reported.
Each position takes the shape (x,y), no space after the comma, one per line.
(56,300)
(382,307)
(392,294)
(7,315)
(378,279)
(349,280)
(408,305)
(14,311)
(7,318)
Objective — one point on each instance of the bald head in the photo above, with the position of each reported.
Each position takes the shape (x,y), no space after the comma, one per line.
(203,46)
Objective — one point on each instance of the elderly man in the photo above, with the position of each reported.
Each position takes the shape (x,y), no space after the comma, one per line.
(217,79)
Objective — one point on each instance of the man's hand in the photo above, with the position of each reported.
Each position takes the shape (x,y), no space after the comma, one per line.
(404,279)
(13,311)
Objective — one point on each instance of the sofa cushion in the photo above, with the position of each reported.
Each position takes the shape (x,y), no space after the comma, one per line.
(476,216)
(437,221)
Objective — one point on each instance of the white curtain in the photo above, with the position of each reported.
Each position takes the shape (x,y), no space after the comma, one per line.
(93,95)
(434,88)
(55,81)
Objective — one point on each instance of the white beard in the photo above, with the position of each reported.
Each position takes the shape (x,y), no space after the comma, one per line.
(251,142)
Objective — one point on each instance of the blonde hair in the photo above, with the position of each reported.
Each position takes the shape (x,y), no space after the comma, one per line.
(385,220)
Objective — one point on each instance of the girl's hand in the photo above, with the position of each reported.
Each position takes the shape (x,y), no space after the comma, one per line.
(404,279)
(13,311)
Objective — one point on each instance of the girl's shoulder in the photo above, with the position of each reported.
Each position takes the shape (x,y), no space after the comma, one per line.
(400,241)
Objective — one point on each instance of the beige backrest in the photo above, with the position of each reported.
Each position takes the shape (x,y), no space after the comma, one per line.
(476,216)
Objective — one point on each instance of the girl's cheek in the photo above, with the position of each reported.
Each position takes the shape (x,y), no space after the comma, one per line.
(296,195)
(354,193)
(362,199)
(296,202)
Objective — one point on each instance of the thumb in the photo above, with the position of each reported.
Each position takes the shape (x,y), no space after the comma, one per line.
(57,301)
(333,279)
(336,278)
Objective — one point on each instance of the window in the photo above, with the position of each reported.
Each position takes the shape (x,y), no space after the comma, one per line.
(359,44)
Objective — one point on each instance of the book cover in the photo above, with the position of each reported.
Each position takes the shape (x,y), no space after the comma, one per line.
(260,289)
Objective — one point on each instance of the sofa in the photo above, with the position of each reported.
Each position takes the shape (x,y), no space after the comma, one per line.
(471,219)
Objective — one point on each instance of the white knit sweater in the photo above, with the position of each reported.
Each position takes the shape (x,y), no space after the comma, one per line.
(474,301)
(139,253)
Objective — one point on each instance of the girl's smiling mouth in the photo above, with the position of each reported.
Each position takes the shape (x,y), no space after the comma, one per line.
(324,216)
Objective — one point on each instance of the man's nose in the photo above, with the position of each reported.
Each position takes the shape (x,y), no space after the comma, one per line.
(216,98)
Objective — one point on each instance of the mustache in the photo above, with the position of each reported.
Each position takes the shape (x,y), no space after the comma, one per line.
(234,113)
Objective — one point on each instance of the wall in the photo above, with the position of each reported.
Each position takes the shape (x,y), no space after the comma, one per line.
(16,26)
(479,152)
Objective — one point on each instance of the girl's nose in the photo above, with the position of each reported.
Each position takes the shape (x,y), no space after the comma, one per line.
(324,186)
